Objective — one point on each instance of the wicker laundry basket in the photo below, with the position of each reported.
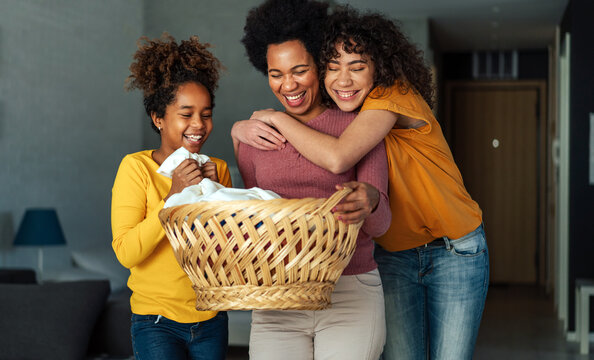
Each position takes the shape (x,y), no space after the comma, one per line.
(261,254)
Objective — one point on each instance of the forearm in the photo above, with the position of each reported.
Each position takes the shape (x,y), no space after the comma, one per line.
(319,148)
(337,154)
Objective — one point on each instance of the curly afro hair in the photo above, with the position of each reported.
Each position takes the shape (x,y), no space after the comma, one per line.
(161,65)
(373,35)
(278,21)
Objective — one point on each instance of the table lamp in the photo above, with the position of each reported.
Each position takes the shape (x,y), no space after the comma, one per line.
(40,227)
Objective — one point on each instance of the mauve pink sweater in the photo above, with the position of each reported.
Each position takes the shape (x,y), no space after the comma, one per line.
(291,175)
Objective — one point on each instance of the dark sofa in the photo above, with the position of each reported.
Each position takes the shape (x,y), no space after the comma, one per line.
(62,320)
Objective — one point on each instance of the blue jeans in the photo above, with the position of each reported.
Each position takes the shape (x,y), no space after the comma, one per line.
(156,337)
(434,296)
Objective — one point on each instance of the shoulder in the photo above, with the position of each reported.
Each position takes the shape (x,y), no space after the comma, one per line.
(399,100)
(135,170)
(386,97)
(138,163)
(141,158)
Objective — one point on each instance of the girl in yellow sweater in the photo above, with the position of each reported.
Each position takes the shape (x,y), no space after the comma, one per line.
(433,260)
(178,82)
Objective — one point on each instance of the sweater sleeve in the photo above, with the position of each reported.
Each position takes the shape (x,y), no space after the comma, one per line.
(246,167)
(136,230)
(223,172)
(373,169)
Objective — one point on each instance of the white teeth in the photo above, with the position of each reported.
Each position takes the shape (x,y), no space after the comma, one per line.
(346,94)
(194,137)
(295,97)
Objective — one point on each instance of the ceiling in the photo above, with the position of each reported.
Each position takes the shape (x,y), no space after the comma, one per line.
(462,25)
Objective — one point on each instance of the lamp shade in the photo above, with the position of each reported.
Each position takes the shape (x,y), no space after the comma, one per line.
(40,227)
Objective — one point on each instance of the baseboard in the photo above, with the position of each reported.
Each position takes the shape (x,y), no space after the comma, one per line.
(571,336)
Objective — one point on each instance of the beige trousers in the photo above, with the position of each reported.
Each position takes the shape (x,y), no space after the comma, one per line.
(352,329)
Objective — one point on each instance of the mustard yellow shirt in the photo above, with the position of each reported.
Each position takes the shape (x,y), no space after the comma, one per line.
(427,195)
(159,285)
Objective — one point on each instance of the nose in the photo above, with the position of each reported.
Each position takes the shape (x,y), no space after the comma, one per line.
(344,78)
(196,122)
(289,83)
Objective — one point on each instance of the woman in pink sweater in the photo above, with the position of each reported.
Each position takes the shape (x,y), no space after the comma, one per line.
(282,39)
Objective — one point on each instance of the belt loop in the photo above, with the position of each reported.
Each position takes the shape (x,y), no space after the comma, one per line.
(448,245)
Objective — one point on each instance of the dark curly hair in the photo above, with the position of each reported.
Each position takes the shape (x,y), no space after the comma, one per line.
(278,21)
(161,65)
(372,34)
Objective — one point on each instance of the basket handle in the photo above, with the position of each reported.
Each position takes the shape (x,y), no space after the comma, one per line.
(333,200)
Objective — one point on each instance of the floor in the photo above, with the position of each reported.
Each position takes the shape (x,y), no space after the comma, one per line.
(518,324)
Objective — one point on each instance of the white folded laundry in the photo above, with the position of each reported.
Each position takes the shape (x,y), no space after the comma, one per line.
(208,190)
(177,157)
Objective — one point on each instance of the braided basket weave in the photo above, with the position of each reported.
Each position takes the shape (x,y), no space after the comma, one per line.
(261,254)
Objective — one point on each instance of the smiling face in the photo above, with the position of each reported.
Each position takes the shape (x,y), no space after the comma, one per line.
(187,121)
(293,78)
(349,79)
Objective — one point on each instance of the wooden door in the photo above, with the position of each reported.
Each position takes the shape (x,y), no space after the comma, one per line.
(495,137)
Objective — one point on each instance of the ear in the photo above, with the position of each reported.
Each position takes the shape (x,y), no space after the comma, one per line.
(157,120)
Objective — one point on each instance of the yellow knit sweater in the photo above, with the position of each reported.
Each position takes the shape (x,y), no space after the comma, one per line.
(159,285)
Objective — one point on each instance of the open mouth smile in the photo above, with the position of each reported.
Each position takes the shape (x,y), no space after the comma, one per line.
(346,95)
(295,100)
(193,138)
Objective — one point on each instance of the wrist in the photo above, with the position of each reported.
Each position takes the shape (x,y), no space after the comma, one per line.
(234,130)
(275,119)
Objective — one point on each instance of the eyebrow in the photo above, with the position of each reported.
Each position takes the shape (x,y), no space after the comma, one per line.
(184,107)
(293,68)
(360,61)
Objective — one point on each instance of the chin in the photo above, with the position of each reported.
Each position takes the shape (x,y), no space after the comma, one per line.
(346,107)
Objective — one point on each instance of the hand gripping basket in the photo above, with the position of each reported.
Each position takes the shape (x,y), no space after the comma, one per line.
(261,254)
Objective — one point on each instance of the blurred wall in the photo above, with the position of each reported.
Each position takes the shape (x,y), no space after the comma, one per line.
(65,121)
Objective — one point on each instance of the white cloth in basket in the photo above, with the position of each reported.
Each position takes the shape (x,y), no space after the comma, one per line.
(206,190)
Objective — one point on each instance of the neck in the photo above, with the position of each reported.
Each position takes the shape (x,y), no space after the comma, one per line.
(160,155)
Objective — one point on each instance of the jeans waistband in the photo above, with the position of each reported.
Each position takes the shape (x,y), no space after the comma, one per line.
(438,242)
(447,242)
